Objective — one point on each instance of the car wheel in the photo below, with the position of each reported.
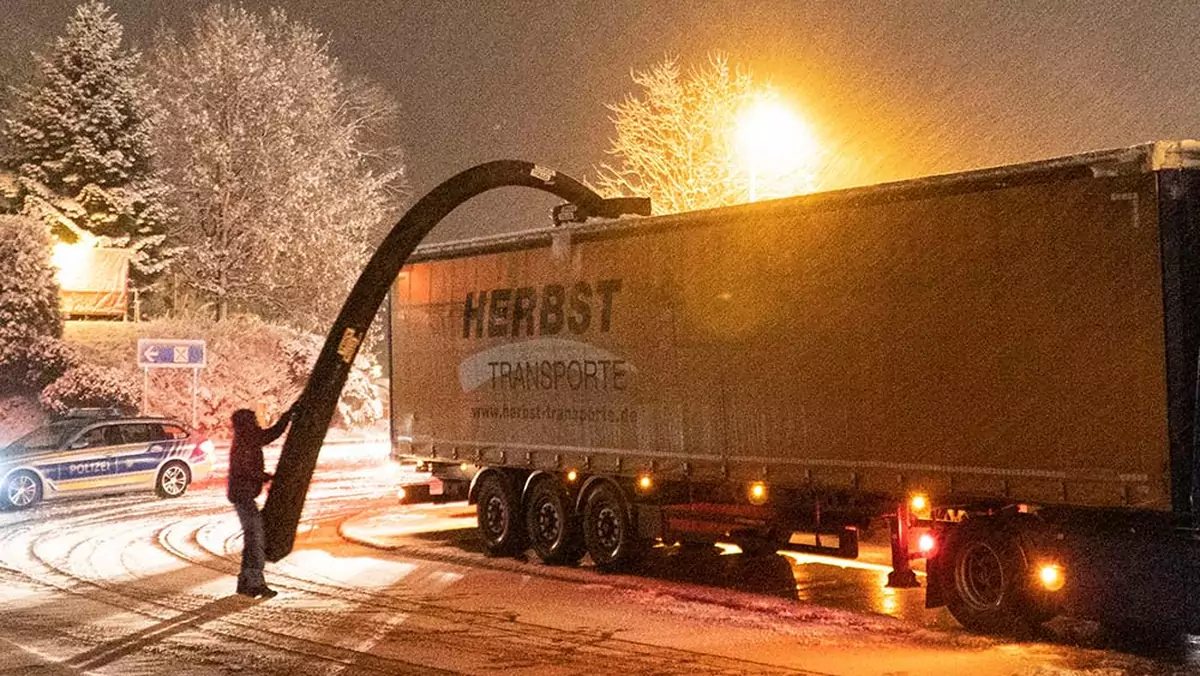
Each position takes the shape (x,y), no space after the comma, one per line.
(551,524)
(498,510)
(22,490)
(173,480)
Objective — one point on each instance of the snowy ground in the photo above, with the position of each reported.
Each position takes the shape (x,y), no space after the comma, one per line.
(135,585)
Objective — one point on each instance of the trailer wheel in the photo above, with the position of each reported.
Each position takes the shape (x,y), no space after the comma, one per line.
(608,529)
(552,525)
(498,509)
(988,582)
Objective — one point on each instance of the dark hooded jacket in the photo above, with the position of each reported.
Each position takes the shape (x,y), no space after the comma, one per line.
(246,472)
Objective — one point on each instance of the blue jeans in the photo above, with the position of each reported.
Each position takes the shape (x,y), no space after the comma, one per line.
(253,556)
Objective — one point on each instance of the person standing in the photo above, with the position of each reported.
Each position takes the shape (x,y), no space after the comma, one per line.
(246,478)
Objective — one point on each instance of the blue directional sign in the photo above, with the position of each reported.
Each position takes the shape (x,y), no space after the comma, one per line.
(157,353)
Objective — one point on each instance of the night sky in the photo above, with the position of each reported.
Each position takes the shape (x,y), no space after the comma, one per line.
(894,90)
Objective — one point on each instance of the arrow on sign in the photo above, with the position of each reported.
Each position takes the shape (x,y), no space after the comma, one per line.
(167,353)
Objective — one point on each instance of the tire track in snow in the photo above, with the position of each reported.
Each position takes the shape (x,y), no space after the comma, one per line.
(98,554)
(60,557)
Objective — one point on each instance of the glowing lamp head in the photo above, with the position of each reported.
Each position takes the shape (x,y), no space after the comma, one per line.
(919,503)
(645,483)
(1052,577)
(401,494)
(72,261)
(463,467)
(777,147)
(572,476)
(926,543)
(758,493)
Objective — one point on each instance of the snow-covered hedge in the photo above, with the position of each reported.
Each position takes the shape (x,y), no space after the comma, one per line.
(251,364)
(45,360)
(88,386)
(19,415)
(361,403)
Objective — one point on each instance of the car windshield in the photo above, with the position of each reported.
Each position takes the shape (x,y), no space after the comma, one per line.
(44,438)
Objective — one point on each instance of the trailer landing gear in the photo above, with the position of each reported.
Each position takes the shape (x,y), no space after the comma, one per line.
(902,575)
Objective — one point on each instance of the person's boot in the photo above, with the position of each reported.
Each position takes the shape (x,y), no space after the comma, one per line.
(265,592)
(244,589)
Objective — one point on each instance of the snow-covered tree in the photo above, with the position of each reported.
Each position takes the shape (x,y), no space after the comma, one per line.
(30,323)
(28,287)
(268,148)
(15,70)
(677,142)
(79,139)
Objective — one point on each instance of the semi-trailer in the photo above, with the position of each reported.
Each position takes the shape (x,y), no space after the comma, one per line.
(1001,365)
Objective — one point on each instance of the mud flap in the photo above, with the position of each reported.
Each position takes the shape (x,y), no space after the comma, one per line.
(285,501)
(935,572)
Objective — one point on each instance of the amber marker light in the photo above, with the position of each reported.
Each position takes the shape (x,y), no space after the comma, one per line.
(1051,576)
(401,494)
(758,493)
(572,476)
(919,505)
(645,483)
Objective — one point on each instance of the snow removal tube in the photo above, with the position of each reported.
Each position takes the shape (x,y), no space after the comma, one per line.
(281,515)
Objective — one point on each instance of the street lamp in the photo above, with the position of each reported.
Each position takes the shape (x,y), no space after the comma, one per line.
(773,141)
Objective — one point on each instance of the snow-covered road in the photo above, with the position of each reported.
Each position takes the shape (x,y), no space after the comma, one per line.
(135,585)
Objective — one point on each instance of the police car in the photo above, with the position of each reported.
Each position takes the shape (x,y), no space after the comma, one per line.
(99,451)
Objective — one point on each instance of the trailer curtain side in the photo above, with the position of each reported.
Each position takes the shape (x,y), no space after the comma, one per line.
(999,340)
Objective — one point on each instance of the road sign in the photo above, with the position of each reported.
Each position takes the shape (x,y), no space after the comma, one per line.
(155,353)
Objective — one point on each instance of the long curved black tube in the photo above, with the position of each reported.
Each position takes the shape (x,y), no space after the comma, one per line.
(281,515)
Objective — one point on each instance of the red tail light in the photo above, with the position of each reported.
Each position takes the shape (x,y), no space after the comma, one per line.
(203,451)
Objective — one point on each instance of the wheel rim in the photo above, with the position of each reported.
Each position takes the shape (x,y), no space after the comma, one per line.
(549,523)
(174,480)
(979,576)
(22,490)
(495,516)
(608,529)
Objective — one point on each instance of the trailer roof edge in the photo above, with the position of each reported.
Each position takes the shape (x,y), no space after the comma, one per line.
(1137,159)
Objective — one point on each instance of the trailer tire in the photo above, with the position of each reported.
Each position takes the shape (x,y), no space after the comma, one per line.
(987,582)
(608,529)
(551,523)
(498,513)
